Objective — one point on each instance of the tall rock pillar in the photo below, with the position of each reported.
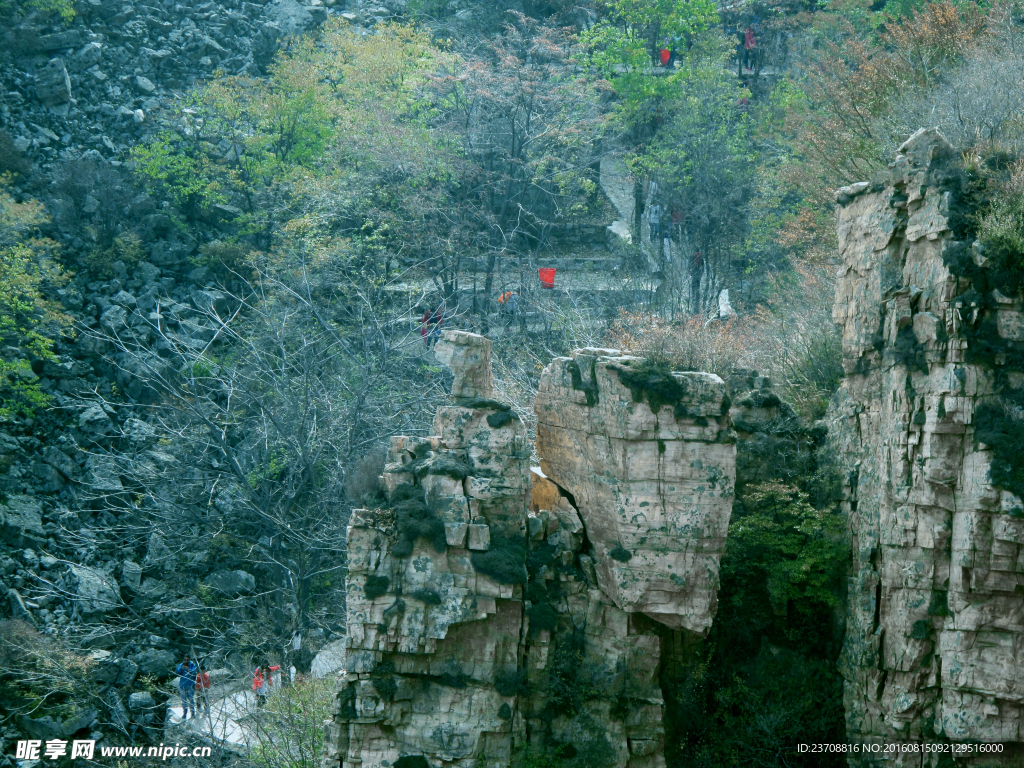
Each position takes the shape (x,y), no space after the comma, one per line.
(934,651)
(434,588)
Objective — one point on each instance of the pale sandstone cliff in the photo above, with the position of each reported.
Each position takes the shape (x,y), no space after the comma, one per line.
(479,626)
(935,626)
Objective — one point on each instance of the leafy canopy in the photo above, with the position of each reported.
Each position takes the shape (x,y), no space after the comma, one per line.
(28,321)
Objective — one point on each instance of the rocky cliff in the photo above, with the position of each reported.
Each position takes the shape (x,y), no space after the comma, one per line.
(924,424)
(486,616)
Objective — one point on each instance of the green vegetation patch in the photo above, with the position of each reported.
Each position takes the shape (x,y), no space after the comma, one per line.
(383,681)
(542,617)
(921,630)
(620,553)
(376,586)
(411,761)
(652,381)
(501,418)
(511,682)
(427,596)
(415,521)
(1001,426)
(483,403)
(505,561)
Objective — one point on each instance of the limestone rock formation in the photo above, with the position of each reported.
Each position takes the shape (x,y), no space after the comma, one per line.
(654,487)
(935,625)
(478,627)
(435,588)
(469,357)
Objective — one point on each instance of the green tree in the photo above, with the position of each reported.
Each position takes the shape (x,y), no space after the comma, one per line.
(622,46)
(28,320)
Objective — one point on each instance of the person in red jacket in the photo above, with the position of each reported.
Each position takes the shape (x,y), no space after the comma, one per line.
(203,689)
(262,681)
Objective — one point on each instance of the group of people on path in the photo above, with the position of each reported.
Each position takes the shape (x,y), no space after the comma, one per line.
(193,679)
(194,682)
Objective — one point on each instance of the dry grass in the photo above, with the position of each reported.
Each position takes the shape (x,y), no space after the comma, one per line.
(792,341)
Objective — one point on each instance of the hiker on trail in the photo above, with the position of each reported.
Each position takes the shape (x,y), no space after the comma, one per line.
(654,219)
(509,302)
(262,681)
(203,689)
(186,672)
(749,48)
(695,275)
(430,325)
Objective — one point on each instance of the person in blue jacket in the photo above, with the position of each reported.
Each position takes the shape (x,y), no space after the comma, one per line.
(186,672)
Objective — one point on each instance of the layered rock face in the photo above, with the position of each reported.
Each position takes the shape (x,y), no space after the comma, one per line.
(935,627)
(486,617)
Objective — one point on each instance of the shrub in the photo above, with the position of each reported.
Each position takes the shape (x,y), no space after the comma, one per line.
(126,248)
(784,558)
(289,732)
(412,761)
(427,596)
(11,160)
(542,617)
(620,553)
(376,586)
(415,521)
(511,681)
(362,483)
(505,561)
(224,256)
(1000,425)
(383,681)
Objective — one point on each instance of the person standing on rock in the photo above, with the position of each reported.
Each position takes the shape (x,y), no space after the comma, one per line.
(203,689)
(262,680)
(430,325)
(654,219)
(186,672)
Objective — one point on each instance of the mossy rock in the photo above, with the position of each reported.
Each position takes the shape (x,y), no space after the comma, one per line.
(482,403)
(655,383)
(427,596)
(588,388)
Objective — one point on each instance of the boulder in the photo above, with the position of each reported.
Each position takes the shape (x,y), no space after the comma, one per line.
(21,518)
(53,84)
(654,487)
(154,663)
(231,583)
(329,660)
(141,700)
(95,591)
(131,575)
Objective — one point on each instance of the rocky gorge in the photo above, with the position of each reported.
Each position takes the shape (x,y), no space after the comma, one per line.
(539,580)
